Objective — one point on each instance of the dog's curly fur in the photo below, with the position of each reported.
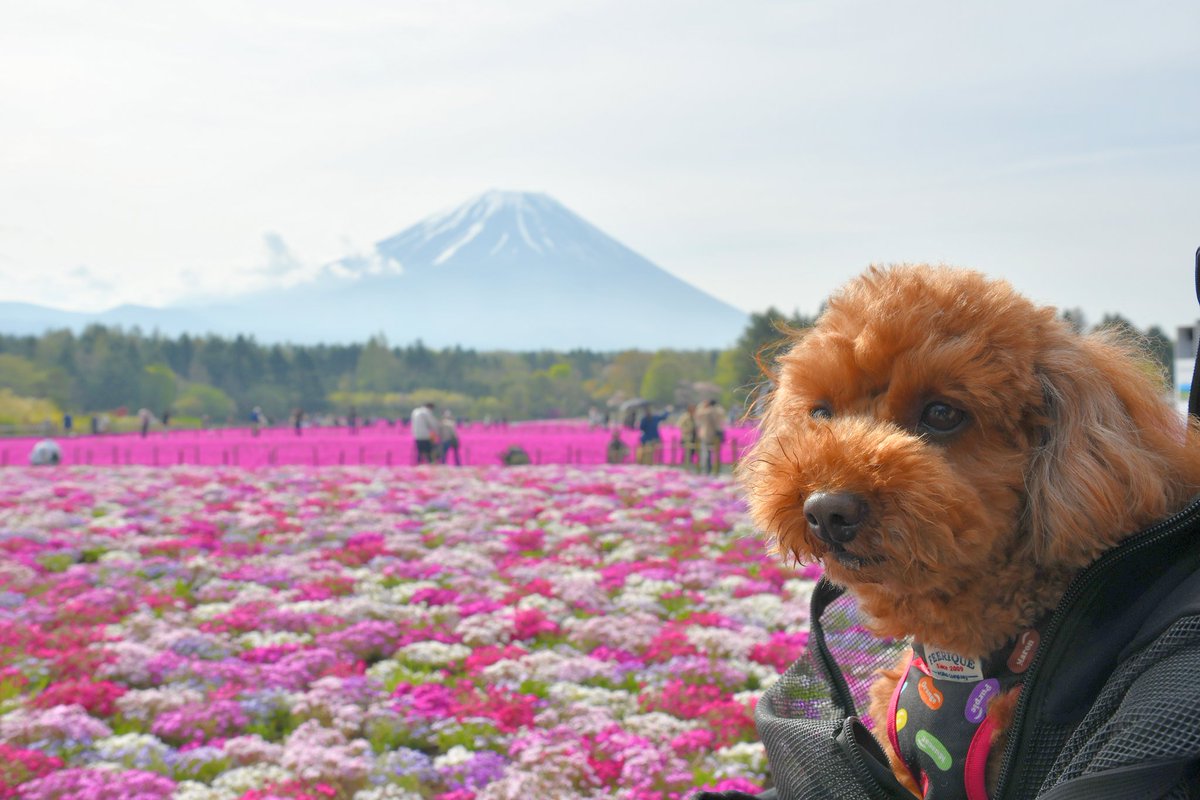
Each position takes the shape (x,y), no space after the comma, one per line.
(1067,445)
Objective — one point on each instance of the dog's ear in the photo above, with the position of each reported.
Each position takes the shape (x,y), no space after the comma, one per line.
(1109,450)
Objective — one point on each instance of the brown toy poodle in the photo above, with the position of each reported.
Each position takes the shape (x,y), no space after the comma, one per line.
(954,454)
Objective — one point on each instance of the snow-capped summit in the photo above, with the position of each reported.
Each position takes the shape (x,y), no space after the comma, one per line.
(500,225)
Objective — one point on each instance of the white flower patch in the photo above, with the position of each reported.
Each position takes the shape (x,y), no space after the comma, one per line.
(240,780)
(129,663)
(547,666)
(480,630)
(416,614)
(215,590)
(625,552)
(618,702)
(383,671)
(252,640)
(302,607)
(632,632)
(137,750)
(800,591)
(453,757)
(119,557)
(316,753)
(765,674)
(552,607)
(207,612)
(640,583)
(643,594)
(254,593)
(751,755)
(251,749)
(193,790)
(433,654)
(728,584)
(358,609)
(472,560)
(508,671)
(658,727)
(146,704)
(583,720)
(374,589)
(759,610)
(724,643)
(389,792)
(403,592)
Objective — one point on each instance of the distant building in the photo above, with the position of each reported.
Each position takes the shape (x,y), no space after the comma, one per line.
(1185,362)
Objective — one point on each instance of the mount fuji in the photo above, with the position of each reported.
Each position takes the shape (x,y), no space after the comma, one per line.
(504,271)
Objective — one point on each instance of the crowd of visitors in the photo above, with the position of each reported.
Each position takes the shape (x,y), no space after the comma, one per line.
(436,438)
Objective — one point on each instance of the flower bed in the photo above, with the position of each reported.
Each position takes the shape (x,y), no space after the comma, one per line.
(379,444)
(489,633)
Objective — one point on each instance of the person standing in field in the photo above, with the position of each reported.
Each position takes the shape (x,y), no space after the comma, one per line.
(144,417)
(448,438)
(710,430)
(688,437)
(651,444)
(617,450)
(424,431)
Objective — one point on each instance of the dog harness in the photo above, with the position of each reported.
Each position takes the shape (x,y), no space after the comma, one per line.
(938,720)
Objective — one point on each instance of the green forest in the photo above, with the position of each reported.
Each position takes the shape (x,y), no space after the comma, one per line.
(218,380)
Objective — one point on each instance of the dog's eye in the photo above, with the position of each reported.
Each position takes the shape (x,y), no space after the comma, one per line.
(821,412)
(942,418)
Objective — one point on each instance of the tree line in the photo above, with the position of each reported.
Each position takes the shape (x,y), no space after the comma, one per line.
(114,371)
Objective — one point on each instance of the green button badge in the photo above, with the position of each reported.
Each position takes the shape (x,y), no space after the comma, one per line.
(929,744)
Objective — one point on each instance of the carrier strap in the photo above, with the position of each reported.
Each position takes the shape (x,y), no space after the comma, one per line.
(1194,392)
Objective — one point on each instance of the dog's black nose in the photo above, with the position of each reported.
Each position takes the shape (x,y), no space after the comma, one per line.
(834,516)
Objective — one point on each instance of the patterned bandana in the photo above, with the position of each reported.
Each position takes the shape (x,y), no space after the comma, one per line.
(938,719)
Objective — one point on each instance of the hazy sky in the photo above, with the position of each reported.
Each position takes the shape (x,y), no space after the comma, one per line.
(764,151)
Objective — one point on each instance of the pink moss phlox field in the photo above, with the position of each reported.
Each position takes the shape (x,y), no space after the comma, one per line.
(427,633)
(380,444)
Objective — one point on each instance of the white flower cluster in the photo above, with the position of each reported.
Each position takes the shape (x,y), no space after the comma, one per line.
(618,701)
(316,753)
(760,611)
(252,749)
(453,757)
(389,792)
(723,643)
(146,704)
(206,612)
(552,607)
(137,750)
(252,640)
(584,720)
(631,632)
(434,654)
(234,783)
(479,630)
(404,592)
(658,727)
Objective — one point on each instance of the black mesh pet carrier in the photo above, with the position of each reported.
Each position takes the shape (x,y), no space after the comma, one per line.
(1110,708)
